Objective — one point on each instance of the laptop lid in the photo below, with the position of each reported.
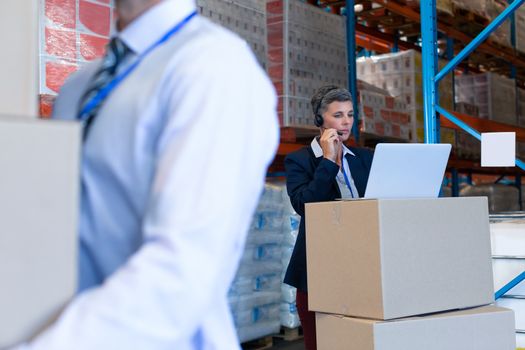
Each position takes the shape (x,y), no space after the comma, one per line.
(407,170)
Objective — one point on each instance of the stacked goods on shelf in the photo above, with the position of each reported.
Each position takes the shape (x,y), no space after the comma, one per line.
(73,33)
(478,7)
(255,294)
(247,18)
(401,75)
(520,146)
(520,28)
(289,315)
(487,10)
(493,94)
(442,6)
(306,49)
(382,114)
(508,261)
(501,198)
(442,301)
(467,146)
(521,107)
(502,34)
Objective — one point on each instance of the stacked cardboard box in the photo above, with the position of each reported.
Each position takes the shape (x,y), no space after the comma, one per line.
(487,10)
(493,94)
(392,274)
(467,146)
(244,17)
(255,294)
(520,29)
(401,75)
(73,32)
(382,114)
(501,198)
(521,107)
(478,7)
(306,49)
(291,221)
(508,261)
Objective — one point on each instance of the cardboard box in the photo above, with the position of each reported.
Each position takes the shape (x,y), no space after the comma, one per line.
(39,185)
(387,259)
(485,328)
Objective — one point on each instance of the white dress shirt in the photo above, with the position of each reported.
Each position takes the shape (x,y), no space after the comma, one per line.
(340,178)
(172,170)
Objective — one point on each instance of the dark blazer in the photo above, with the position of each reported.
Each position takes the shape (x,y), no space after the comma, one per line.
(310,179)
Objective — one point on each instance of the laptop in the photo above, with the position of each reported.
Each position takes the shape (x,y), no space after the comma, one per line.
(407,170)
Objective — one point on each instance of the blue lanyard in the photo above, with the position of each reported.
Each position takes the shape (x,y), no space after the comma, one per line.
(102,94)
(346,176)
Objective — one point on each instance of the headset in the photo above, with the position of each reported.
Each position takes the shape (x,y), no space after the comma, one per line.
(318,118)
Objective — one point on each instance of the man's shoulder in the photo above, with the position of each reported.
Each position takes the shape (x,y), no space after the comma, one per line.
(215,37)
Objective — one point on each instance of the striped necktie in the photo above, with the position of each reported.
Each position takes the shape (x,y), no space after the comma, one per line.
(115,53)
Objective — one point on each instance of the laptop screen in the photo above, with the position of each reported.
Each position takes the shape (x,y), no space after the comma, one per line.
(407,170)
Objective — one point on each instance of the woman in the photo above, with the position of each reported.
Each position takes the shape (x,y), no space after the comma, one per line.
(323,171)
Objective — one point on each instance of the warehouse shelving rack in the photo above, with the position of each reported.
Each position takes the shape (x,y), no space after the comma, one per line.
(431,78)
(493,57)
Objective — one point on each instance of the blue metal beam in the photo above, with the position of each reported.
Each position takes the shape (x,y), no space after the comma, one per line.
(470,130)
(352,71)
(478,39)
(510,285)
(395,47)
(459,122)
(429,52)
(450,56)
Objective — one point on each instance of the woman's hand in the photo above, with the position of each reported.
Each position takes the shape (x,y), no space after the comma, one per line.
(331,145)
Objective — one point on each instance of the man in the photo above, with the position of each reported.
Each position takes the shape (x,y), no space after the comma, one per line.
(180,126)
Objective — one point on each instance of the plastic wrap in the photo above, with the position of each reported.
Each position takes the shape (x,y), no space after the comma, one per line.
(247,18)
(401,75)
(502,34)
(255,293)
(478,7)
(381,114)
(289,316)
(255,314)
(289,294)
(520,29)
(494,95)
(315,55)
(73,33)
(258,330)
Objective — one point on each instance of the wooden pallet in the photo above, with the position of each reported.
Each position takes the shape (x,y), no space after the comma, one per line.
(290,334)
(258,344)
(469,16)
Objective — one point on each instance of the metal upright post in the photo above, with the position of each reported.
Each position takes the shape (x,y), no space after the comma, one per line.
(352,72)
(450,55)
(429,48)
(395,47)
